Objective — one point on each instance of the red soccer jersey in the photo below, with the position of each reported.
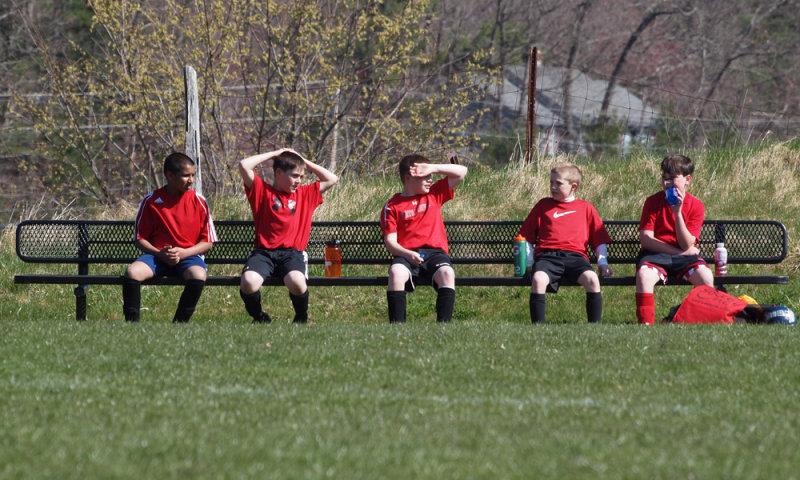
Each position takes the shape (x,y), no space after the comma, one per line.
(168,220)
(282,220)
(417,219)
(658,217)
(569,226)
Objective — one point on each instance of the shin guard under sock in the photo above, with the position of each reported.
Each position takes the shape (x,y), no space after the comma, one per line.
(131,299)
(188,302)
(397,305)
(445,303)
(300,304)
(252,303)
(537,307)
(594,307)
(645,308)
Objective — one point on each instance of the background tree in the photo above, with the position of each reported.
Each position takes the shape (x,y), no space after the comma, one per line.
(270,74)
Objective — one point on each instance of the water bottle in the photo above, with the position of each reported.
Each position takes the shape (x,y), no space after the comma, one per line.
(520,254)
(672,196)
(720,260)
(333,259)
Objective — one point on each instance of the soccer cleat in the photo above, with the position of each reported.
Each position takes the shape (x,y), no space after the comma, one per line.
(263,319)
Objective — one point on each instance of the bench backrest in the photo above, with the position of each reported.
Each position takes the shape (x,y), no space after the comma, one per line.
(98,241)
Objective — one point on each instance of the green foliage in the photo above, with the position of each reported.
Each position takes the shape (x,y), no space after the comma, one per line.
(270,74)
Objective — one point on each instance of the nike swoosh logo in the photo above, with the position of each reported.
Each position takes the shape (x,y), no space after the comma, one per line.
(561,214)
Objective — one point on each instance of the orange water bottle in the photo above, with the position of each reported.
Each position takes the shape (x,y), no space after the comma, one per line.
(333,259)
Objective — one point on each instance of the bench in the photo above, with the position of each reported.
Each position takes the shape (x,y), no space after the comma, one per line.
(87,242)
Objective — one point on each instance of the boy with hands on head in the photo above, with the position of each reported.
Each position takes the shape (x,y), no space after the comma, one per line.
(282,216)
(413,232)
(561,227)
(668,235)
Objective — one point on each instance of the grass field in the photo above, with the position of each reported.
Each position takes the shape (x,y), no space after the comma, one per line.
(469,400)
(349,396)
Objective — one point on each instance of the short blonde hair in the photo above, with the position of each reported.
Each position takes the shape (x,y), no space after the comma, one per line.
(569,172)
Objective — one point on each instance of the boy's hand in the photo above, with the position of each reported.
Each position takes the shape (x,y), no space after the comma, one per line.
(691,251)
(421,170)
(170,255)
(605,270)
(414,258)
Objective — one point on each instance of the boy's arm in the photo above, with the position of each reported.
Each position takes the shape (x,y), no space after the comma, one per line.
(397,250)
(173,255)
(327,179)
(650,242)
(455,173)
(685,239)
(248,165)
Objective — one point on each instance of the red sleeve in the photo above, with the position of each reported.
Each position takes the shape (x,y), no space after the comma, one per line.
(530,227)
(442,192)
(598,234)
(388,219)
(694,218)
(648,219)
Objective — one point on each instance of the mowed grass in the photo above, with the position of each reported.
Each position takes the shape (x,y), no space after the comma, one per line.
(350,396)
(468,400)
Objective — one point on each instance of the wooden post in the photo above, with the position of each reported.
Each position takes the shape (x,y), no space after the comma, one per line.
(530,142)
(335,134)
(192,147)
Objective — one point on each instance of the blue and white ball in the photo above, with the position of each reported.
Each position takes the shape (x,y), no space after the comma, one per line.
(781,315)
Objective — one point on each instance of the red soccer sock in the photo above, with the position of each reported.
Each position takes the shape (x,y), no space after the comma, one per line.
(646,308)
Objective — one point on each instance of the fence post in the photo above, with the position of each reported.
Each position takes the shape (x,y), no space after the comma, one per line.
(531,131)
(192,147)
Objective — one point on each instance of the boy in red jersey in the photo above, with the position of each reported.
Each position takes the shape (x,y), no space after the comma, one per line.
(174,229)
(413,232)
(668,235)
(282,216)
(561,227)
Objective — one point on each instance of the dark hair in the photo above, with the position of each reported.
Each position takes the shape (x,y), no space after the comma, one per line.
(676,164)
(176,161)
(404,167)
(288,161)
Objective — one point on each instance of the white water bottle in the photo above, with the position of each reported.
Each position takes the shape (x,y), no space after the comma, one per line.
(720,260)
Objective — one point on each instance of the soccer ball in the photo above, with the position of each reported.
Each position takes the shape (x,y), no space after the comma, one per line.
(780,315)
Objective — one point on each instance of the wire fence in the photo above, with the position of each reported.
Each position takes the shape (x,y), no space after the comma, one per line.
(568,118)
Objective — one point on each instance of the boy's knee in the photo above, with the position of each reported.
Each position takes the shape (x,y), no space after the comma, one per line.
(138,271)
(250,282)
(539,282)
(590,281)
(445,277)
(195,273)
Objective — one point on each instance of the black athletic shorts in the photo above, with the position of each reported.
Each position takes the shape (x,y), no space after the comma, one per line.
(432,260)
(558,264)
(669,266)
(277,262)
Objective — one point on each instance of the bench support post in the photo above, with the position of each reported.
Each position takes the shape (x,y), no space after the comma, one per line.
(83,269)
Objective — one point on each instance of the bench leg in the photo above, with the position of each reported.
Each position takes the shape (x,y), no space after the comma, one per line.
(80,302)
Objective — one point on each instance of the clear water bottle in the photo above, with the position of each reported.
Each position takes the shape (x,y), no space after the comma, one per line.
(720,260)
(333,259)
(520,253)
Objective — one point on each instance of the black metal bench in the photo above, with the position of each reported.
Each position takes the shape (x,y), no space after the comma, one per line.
(85,242)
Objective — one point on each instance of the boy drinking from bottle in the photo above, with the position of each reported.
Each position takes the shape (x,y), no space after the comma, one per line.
(668,233)
(561,227)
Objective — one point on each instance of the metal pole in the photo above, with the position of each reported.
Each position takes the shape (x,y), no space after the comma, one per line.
(531,130)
